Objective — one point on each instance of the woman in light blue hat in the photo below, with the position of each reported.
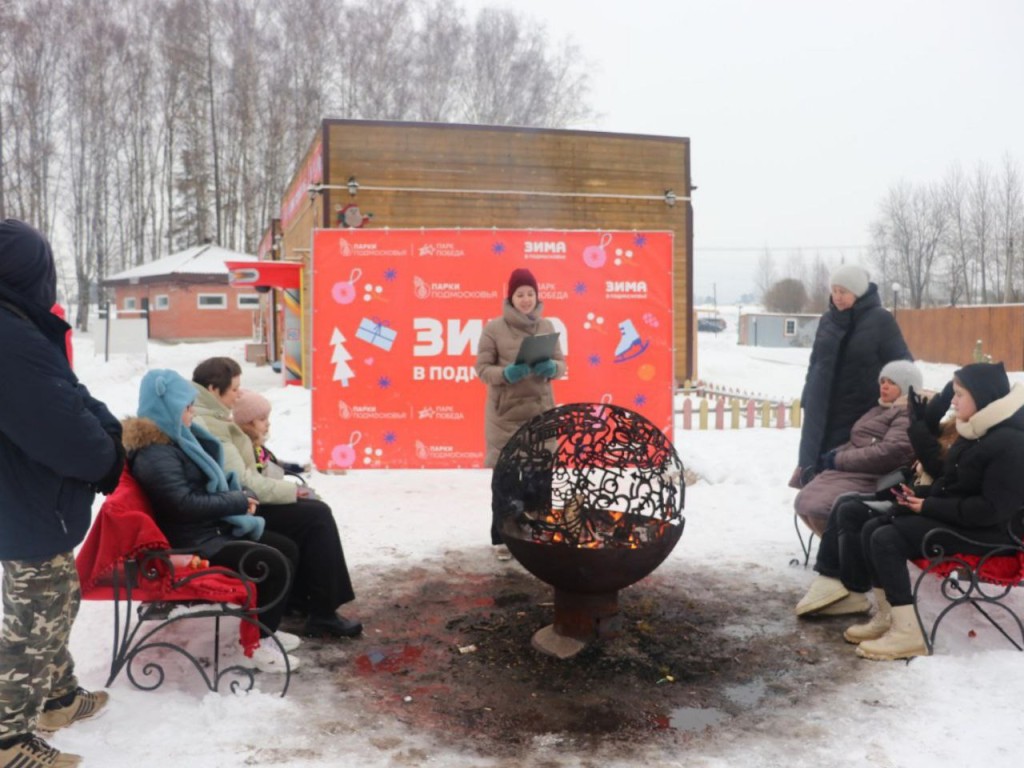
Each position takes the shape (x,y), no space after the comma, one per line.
(179,466)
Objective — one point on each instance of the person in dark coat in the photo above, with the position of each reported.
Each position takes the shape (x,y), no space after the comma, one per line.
(179,467)
(58,446)
(856,336)
(978,494)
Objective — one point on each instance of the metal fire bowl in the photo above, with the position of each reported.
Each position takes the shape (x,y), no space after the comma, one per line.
(592,571)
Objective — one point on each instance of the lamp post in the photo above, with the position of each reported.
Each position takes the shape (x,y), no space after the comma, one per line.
(971,278)
(895,297)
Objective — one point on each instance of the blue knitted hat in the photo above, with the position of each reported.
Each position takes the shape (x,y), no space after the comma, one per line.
(163,397)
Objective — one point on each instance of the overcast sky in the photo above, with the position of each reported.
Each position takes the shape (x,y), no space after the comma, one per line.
(801,113)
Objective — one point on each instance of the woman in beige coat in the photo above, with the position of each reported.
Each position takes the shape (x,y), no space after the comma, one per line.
(515,392)
(322,582)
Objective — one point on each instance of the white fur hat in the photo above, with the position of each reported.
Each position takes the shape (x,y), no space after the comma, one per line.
(904,374)
(852,278)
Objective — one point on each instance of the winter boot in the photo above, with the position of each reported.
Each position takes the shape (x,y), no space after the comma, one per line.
(876,626)
(824,590)
(904,639)
(855,602)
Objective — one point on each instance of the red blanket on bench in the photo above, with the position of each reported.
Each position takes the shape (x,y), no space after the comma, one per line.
(123,529)
(1003,569)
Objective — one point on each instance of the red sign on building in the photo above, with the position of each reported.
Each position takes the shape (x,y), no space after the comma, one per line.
(397,315)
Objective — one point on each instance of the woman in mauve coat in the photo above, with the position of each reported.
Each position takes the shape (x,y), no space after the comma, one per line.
(878,444)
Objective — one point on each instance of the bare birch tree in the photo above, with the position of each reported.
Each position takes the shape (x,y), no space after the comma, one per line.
(908,232)
(764,274)
(1010,215)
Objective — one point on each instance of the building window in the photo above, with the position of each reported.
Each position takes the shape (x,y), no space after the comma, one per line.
(130,304)
(248,301)
(789,327)
(212,301)
(161,301)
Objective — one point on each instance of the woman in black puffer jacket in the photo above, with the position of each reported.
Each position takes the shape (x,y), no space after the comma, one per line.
(856,337)
(978,495)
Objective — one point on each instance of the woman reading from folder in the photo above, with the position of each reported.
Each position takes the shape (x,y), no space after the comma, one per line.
(516,391)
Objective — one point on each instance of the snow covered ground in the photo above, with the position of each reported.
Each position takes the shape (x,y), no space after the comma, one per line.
(958,707)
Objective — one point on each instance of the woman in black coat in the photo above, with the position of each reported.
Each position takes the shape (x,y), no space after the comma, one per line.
(179,467)
(978,494)
(856,337)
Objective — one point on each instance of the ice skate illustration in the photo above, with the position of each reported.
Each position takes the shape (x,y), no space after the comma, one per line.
(630,344)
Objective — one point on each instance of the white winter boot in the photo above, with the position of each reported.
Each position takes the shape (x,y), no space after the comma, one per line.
(904,639)
(854,602)
(824,590)
(876,626)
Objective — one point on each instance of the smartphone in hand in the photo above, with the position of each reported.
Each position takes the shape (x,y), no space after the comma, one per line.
(902,492)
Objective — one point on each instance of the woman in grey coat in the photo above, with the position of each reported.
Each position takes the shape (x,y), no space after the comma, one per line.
(878,444)
(515,392)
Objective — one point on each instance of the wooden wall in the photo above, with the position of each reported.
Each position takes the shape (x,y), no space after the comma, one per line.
(465,165)
(949,334)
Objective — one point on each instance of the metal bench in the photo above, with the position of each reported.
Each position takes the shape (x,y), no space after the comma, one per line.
(127,559)
(982,581)
(140,624)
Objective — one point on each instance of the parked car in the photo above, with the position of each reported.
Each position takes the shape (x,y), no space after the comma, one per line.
(714,324)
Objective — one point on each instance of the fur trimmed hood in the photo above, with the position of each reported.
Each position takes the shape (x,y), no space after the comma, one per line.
(139,433)
(996,412)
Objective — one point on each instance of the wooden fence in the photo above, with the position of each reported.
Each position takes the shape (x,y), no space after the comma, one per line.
(704,402)
(951,334)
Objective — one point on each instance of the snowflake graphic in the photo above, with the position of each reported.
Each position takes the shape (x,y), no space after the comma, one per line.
(384,382)
(594,359)
(640,400)
(640,241)
(498,248)
(390,438)
(580,288)
(391,274)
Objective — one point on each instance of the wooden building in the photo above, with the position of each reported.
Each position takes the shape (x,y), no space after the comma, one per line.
(412,175)
(186,296)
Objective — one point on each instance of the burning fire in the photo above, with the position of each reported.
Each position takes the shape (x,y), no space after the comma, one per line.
(587,528)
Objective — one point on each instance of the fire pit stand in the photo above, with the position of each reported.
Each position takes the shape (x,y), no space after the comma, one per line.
(590,501)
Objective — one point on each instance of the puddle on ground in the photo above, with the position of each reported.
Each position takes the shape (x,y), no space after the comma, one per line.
(747,694)
(695,719)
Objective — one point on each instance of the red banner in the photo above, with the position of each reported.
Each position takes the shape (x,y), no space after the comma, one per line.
(397,315)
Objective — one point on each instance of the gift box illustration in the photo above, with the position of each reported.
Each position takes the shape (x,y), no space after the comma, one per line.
(376,332)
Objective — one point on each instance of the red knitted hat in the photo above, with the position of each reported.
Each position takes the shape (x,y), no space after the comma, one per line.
(518,279)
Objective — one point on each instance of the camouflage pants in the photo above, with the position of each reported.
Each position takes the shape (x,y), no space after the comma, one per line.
(40,604)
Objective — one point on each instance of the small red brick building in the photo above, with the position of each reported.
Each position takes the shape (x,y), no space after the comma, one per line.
(187,296)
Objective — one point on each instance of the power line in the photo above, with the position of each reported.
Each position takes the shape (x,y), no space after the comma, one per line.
(763,248)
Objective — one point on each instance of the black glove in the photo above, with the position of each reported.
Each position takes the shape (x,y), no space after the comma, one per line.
(938,407)
(917,406)
(806,475)
(109,481)
(827,460)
